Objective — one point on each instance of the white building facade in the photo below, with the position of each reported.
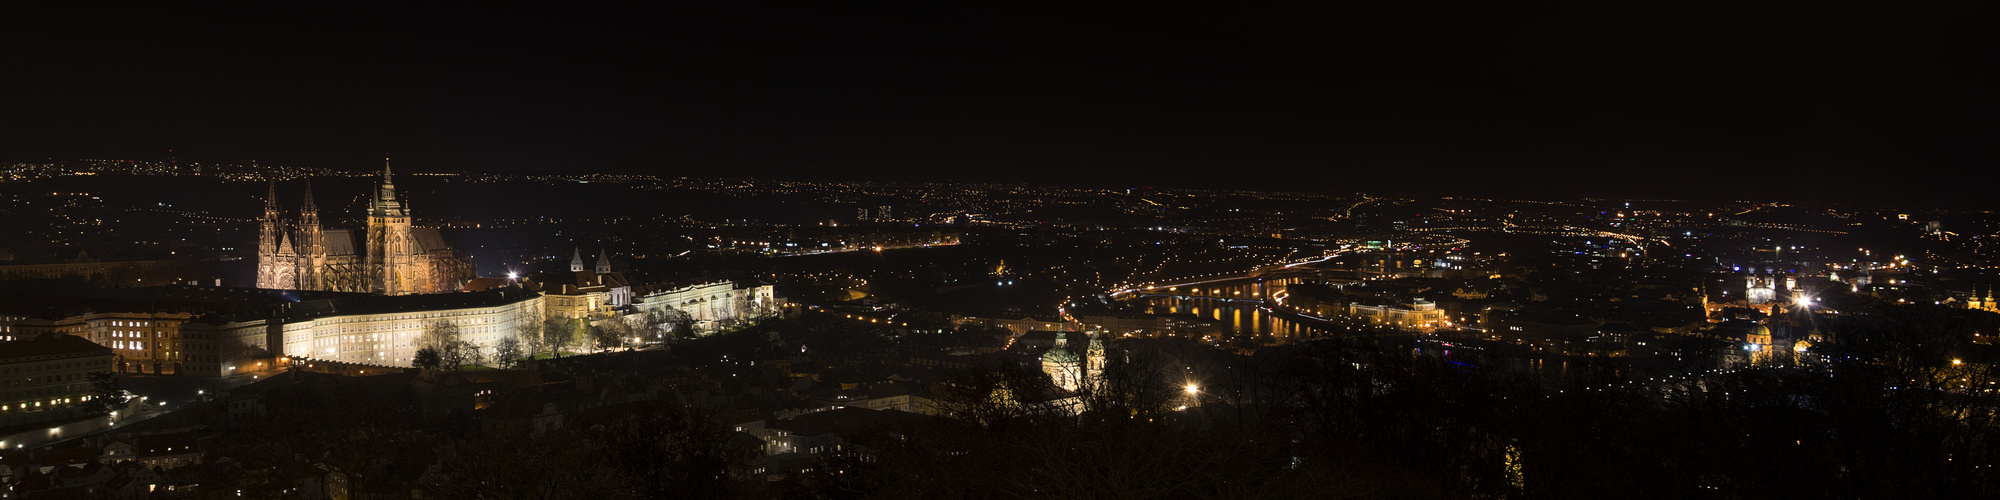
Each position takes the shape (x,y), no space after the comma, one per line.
(711,304)
(390,338)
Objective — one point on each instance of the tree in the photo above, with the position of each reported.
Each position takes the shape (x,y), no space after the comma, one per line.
(508,350)
(452,352)
(674,321)
(560,334)
(528,333)
(610,333)
(651,324)
(106,394)
(426,358)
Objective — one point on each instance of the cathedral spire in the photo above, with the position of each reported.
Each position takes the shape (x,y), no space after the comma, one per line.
(385,204)
(267,241)
(576,261)
(603,261)
(388,182)
(310,245)
(308,206)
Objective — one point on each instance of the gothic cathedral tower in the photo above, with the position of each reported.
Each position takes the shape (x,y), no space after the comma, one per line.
(390,256)
(269,229)
(312,245)
(391,250)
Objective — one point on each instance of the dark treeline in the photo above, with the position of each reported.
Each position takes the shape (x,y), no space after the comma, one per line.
(1897,410)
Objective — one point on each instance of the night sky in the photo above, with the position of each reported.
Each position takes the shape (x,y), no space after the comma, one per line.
(1684,100)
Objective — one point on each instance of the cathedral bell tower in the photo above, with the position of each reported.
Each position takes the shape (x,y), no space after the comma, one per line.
(312,245)
(391,250)
(268,229)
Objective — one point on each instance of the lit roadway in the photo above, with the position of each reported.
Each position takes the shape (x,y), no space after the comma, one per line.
(1349,212)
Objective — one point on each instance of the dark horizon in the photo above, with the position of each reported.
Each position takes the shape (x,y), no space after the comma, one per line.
(1543,102)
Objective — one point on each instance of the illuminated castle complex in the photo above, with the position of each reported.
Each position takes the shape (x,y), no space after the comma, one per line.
(392,257)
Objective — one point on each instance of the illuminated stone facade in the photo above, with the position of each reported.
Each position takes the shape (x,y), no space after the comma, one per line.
(1982,298)
(244,331)
(141,342)
(1760,290)
(386,333)
(1072,371)
(390,256)
(1418,314)
(584,293)
(710,304)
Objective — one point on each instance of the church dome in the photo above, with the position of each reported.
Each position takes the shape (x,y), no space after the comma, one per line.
(1060,354)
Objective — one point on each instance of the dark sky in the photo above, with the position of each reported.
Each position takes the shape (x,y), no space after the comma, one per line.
(1531,99)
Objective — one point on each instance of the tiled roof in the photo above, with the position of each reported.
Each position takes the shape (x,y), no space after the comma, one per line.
(372,304)
(50,346)
(428,239)
(340,242)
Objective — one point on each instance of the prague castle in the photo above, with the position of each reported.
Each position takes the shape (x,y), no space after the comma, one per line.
(390,257)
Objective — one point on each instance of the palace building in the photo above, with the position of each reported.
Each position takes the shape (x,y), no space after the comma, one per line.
(216,332)
(48,378)
(390,256)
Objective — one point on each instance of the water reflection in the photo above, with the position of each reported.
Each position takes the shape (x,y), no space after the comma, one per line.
(1233,316)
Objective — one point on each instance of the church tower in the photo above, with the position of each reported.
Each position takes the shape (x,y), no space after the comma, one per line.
(391,250)
(1758,289)
(576,261)
(1093,357)
(312,245)
(1062,365)
(603,261)
(390,255)
(269,226)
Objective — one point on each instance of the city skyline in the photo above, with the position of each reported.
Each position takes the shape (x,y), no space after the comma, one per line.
(793,249)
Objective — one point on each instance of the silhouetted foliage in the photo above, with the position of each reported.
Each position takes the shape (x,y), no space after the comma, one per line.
(106,394)
(426,358)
